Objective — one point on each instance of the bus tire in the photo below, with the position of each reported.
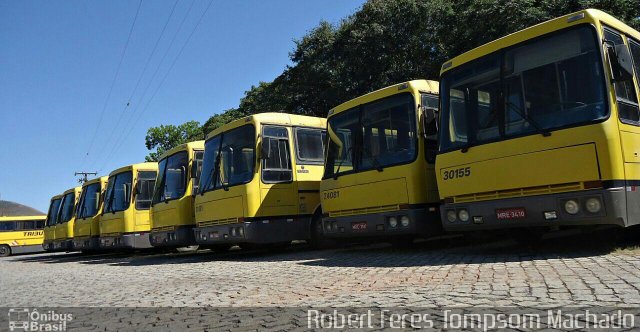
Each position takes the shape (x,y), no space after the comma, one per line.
(317,240)
(5,250)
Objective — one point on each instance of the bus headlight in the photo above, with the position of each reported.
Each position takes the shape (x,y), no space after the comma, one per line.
(593,205)
(241,231)
(451,216)
(463,215)
(393,222)
(404,221)
(233,231)
(572,207)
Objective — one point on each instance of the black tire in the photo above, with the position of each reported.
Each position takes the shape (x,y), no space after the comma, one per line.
(5,250)
(317,240)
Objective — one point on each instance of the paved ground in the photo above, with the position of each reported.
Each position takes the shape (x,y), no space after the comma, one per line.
(499,274)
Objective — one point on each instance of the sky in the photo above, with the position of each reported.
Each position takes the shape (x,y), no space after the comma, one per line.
(62,111)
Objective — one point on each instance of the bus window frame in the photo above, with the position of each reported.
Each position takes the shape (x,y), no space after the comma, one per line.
(359,109)
(606,82)
(301,161)
(134,190)
(635,80)
(261,162)
(187,176)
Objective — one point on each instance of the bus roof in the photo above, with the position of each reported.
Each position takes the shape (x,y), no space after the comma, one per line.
(151,166)
(95,180)
(70,190)
(198,145)
(581,17)
(415,85)
(284,119)
(12,218)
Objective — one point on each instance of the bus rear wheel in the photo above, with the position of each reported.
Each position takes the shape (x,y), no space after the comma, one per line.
(5,250)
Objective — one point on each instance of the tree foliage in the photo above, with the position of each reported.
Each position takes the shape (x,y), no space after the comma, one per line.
(391,41)
(164,138)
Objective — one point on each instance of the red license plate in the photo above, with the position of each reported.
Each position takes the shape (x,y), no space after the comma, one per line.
(513,213)
(359,226)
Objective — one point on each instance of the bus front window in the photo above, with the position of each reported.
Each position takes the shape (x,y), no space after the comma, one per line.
(230,158)
(66,211)
(553,82)
(172,179)
(52,216)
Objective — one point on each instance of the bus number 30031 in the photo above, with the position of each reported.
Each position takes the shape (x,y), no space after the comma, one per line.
(456,173)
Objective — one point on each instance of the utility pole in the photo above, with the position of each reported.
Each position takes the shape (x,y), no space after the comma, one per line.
(84,179)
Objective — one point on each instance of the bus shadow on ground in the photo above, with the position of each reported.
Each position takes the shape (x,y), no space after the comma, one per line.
(428,253)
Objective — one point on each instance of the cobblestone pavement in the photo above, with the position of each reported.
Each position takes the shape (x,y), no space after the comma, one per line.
(499,275)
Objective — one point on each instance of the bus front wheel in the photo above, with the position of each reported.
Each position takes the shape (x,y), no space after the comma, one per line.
(5,250)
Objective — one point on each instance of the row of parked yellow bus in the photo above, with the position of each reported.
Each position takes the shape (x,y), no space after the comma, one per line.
(534,131)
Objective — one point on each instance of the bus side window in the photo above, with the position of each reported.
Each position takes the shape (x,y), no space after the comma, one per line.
(196,170)
(276,157)
(626,97)
(40,224)
(7,226)
(25,225)
(431,142)
(144,191)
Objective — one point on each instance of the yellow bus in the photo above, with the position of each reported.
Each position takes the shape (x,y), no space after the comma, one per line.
(66,217)
(21,234)
(86,230)
(171,213)
(260,182)
(379,179)
(50,223)
(124,222)
(540,129)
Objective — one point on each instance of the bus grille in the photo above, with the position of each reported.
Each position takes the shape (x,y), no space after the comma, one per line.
(520,192)
(368,210)
(218,222)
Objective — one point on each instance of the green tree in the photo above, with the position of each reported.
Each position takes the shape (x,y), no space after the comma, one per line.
(391,41)
(166,137)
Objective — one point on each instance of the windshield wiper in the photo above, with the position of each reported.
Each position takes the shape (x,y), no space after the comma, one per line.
(374,160)
(217,168)
(530,120)
(337,172)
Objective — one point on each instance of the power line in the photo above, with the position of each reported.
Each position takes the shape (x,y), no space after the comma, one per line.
(146,65)
(113,82)
(117,146)
(120,140)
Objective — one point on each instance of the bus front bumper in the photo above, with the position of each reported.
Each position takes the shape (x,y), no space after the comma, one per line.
(86,243)
(539,211)
(126,241)
(181,236)
(422,221)
(259,231)
(62,245)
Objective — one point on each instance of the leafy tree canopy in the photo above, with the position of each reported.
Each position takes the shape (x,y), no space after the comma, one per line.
(166,137)
(386,42)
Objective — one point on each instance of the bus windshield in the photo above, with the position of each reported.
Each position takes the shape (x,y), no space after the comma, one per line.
(118,197)
(88,206)
(372,136)
(66,211)
(552,82)
(229,159)
(52,216)
(172,177)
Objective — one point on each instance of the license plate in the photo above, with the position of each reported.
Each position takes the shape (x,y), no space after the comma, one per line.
(359,226)
(513,213)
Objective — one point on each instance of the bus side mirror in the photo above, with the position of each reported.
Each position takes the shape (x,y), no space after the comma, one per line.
(264,148)
(430,121)
(96,202)
(620,61)
(126,189)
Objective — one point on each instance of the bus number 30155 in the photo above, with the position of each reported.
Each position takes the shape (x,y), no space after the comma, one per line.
(456,173)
